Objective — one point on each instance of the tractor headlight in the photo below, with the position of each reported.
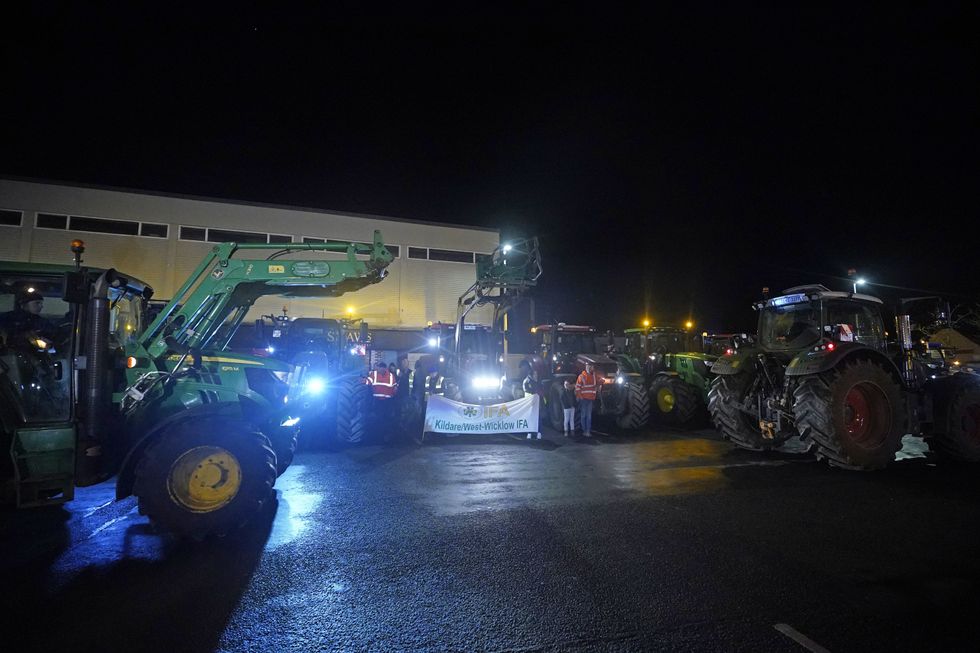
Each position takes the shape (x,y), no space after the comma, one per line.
(315,385)
(433,342)
(485,382)
(620,380)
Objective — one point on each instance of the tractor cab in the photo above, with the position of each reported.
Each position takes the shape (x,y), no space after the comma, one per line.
(817,317)
(478,367)
(43,342)
(559,345)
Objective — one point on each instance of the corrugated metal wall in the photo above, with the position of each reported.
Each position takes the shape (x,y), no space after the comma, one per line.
(414,293)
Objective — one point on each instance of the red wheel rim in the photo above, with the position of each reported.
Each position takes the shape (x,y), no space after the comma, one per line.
(867,417)
(971,421)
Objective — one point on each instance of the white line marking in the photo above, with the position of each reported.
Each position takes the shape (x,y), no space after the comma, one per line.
(92,511)
(108,524)
(800,638)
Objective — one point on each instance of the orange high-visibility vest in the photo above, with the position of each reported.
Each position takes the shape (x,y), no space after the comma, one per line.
(382,384)
(587,385)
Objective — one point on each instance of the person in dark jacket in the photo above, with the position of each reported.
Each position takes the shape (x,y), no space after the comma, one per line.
(568,406)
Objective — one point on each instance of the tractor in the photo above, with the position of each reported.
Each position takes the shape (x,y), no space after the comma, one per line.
(677,368)
(330,349)
(823,370)
(473,357)
(197,433)
(562,353)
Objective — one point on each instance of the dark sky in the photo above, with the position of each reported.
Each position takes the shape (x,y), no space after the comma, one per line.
(673,161)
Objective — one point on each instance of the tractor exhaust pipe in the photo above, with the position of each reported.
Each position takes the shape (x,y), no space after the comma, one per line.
(89,460)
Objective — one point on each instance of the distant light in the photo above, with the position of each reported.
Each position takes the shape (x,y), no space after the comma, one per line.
(831,346)
(534,329)
(729,351)
(353,351)
(646,323)
(620,380)
(688,324)
(442,359)
(860,282)
(350,310)
(270,349)
(704,334)
(433,342)
(507,248)
(30,289)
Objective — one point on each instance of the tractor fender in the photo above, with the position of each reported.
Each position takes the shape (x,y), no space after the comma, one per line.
(127,470)
(822,360)
(734,363)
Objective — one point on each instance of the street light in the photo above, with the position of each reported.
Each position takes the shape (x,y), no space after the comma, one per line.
(688,324)
(646,323)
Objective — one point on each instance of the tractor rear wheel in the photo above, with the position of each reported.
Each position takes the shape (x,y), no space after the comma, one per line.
(854,415)
(205,477)
(636,412)
(353,401)
(960,439)
(726,394)
(674,402)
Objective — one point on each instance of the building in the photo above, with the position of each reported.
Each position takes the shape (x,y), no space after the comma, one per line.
(160,238)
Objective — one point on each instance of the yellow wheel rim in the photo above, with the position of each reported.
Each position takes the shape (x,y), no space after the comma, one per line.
(665,400)
(204,479)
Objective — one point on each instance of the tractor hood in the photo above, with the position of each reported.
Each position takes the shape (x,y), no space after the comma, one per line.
(602,363)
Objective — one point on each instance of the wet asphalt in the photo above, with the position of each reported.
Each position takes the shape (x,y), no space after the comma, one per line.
(664,540)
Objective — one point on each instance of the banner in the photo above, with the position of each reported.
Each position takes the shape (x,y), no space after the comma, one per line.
(447,416)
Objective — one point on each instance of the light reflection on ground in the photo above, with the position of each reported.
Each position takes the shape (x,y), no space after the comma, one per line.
(297,507)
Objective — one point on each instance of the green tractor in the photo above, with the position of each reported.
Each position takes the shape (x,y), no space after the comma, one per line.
(197,433)
(823,370)
(677,368)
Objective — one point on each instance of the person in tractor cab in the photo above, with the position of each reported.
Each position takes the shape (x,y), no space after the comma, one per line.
(383,387)
(586,391)
(24,326)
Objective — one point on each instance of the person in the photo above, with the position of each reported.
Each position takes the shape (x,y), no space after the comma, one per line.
(417,381)
(586,391)
(24,325)
(530,388)
(393,369)
(383,387)
(568,406)
(403,391)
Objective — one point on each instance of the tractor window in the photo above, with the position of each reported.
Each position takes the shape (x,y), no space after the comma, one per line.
(575,343)
(125,317)
(852,321)
(35,349)
(791,326)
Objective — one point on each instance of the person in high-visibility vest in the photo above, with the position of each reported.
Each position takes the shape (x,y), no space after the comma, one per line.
(383,387)
(586,391)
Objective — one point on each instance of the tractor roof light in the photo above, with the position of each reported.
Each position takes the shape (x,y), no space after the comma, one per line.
(507,248)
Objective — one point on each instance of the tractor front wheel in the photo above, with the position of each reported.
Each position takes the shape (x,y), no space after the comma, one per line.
(960,439)
(353,401)
(674,402)
(205,477)
(854,415)
(636,411)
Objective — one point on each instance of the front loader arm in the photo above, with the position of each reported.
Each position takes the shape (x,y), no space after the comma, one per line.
(222,283)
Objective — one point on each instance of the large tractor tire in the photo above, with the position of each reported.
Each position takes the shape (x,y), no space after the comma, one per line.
(636,411)
(283,441)
(674,402)
(205,477)
(960,437)
(353,403)
(854,415)
(734,424)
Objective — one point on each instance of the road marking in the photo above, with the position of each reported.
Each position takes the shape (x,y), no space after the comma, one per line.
(800,638)
(108,524)
(92,511)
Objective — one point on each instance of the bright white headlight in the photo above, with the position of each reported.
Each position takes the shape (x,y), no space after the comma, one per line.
(315,386)
(485,382)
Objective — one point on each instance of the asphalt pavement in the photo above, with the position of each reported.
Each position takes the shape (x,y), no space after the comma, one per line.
(663,540)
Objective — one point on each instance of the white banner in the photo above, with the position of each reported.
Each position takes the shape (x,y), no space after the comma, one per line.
(447,416)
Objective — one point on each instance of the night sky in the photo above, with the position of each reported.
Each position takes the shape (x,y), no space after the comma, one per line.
(673,161)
